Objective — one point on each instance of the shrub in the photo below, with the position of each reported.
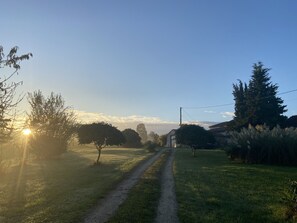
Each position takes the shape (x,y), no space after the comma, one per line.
(194,136)
(132,138)
(150,146)
(290,199)
(262,145)
(48,146)
(52,124)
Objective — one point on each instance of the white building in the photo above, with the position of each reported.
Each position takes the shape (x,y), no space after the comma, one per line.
(171,139)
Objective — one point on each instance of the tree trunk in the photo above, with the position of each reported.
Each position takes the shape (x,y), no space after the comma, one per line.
(99,153)
(194,152)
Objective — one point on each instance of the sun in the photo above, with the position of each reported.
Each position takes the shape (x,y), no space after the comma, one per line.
(27,132)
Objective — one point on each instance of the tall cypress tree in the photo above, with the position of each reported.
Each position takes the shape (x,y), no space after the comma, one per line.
(257,103)
(264,107)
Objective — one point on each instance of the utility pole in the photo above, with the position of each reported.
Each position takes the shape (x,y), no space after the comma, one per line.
(180,116)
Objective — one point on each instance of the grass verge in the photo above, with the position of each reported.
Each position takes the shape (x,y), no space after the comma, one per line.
(210,188)
(142,202)
(64,189)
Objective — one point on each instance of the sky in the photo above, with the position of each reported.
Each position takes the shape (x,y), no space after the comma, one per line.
(127,62)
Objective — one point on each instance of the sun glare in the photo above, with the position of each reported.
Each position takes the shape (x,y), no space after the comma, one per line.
(27,132)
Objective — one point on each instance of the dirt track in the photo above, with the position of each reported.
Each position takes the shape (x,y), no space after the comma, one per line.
(107,206)
(167,209)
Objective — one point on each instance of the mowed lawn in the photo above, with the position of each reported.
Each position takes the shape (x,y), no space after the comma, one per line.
(64,189)
(210,188)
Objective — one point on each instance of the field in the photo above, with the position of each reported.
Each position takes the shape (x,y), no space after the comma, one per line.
(61,190)
(210,188)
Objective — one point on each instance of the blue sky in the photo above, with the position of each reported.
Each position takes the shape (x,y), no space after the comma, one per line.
(145,59)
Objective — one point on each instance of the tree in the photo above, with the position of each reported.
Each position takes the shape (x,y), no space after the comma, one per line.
(8,90)
(264,106)
(194,136)
(101,135)
(52,123)
(141,130)
(163,139)
(240,96)
(132,138)
(257,103)
(291,122)
(154,137)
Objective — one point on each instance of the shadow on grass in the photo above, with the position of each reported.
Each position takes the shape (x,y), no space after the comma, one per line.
(116,150)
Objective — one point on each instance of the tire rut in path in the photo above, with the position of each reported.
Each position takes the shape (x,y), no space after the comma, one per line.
(167,208)
(107,206)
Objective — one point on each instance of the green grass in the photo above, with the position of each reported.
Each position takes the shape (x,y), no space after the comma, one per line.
(210,188)
(64,189)
(142,202)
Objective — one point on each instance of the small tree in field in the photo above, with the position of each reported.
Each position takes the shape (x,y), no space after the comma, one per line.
(101,135)
(52,123)
(194,136)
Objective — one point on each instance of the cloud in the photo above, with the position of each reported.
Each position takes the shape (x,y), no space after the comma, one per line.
(155,124)
(122,122)
(210,112)
(87,117)
(227,114)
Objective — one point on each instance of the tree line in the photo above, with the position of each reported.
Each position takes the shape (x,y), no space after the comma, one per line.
(53,123)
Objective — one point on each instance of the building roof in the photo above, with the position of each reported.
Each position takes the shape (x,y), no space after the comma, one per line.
(171,132)
(220,125)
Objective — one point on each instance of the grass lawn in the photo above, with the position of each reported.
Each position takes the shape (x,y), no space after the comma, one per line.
(142,202)
(62,190)
(210,188)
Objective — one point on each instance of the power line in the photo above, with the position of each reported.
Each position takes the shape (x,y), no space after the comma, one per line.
(229,104)
(210,106)
(222,105)
(287,92)
(189,116)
